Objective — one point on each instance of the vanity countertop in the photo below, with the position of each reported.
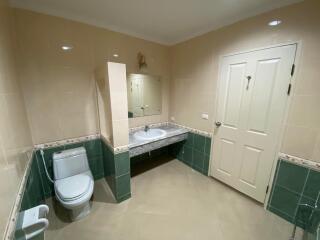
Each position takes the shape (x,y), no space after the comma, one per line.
(171,131)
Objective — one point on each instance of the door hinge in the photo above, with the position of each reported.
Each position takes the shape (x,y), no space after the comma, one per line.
(292,69)
(267,190)
(289,89)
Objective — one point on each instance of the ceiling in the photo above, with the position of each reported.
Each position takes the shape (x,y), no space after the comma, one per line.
(163,21)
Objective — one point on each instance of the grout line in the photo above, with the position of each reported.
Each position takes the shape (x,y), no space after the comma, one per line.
(301,195)
(122,174)
(289,190)
(282,212)
(274,183)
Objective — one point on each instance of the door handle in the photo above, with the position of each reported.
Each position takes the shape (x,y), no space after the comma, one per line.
(248,84)
(218,124)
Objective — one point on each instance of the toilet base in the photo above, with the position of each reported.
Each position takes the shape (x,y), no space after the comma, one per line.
(81,212)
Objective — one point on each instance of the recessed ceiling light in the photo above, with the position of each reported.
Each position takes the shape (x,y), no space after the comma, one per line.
(115,55)
(66,47)
(274,23)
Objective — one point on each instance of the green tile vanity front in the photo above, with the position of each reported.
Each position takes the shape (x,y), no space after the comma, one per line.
(191,148)
(195,152)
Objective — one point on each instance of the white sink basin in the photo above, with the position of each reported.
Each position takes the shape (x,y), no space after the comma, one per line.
(151,134)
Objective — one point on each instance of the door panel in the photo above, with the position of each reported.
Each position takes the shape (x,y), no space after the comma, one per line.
(231,97)
(251,104)
(234,96)
(250,162)
(227,149)
(265,77)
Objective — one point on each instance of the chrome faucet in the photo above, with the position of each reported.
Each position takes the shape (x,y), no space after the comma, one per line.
(146,128)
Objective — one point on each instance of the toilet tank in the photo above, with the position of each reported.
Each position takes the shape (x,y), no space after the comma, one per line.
(70,162)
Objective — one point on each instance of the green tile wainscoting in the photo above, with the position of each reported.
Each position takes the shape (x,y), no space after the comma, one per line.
(94,153)
(102,162)
(33,194)
(115,167)
(195,152)
(294,185)
(117,172)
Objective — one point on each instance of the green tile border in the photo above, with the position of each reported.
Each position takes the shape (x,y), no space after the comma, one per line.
(123,186)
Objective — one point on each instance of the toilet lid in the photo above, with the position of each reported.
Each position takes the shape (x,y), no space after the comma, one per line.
(73,187)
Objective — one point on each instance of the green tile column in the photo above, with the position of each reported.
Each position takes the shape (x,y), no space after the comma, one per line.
(293,187)
(117,172)
(122,176)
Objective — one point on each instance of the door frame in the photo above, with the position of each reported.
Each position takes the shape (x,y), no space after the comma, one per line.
(287,107)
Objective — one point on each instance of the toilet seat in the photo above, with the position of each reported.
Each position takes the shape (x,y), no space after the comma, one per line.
(72,188)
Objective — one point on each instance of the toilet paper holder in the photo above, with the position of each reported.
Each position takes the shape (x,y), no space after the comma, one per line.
(32,222)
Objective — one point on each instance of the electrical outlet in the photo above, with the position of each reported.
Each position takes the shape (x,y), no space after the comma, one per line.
(205,116)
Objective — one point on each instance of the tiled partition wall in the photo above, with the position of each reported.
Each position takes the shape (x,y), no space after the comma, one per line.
(117,172)
(295,185)
(195,152)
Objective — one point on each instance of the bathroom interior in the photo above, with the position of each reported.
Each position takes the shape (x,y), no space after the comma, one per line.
(160,119)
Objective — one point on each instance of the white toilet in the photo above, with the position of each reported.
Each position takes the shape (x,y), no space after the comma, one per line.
(73,181)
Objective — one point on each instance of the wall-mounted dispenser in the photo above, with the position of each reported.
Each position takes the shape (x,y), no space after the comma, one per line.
(32,222)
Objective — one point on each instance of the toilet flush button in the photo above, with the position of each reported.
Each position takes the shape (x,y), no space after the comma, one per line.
(205,116)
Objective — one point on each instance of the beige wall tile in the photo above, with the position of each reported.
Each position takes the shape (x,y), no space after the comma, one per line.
(15,135)
(299,141)
(116,74)
(316,150)
(14,127)
(308,76)
(120,133)
(303,111)
(195,70)
(103,102)
(3,159)
(50,73)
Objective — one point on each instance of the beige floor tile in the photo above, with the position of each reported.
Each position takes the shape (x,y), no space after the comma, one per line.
(171,201)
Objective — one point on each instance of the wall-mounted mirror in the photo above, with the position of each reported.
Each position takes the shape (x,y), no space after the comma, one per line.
(144,95)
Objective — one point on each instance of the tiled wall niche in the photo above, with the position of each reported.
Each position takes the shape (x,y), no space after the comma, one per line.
(38,187)
(293,185)
(103,162)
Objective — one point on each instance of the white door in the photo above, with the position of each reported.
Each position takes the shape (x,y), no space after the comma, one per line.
(253,92)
